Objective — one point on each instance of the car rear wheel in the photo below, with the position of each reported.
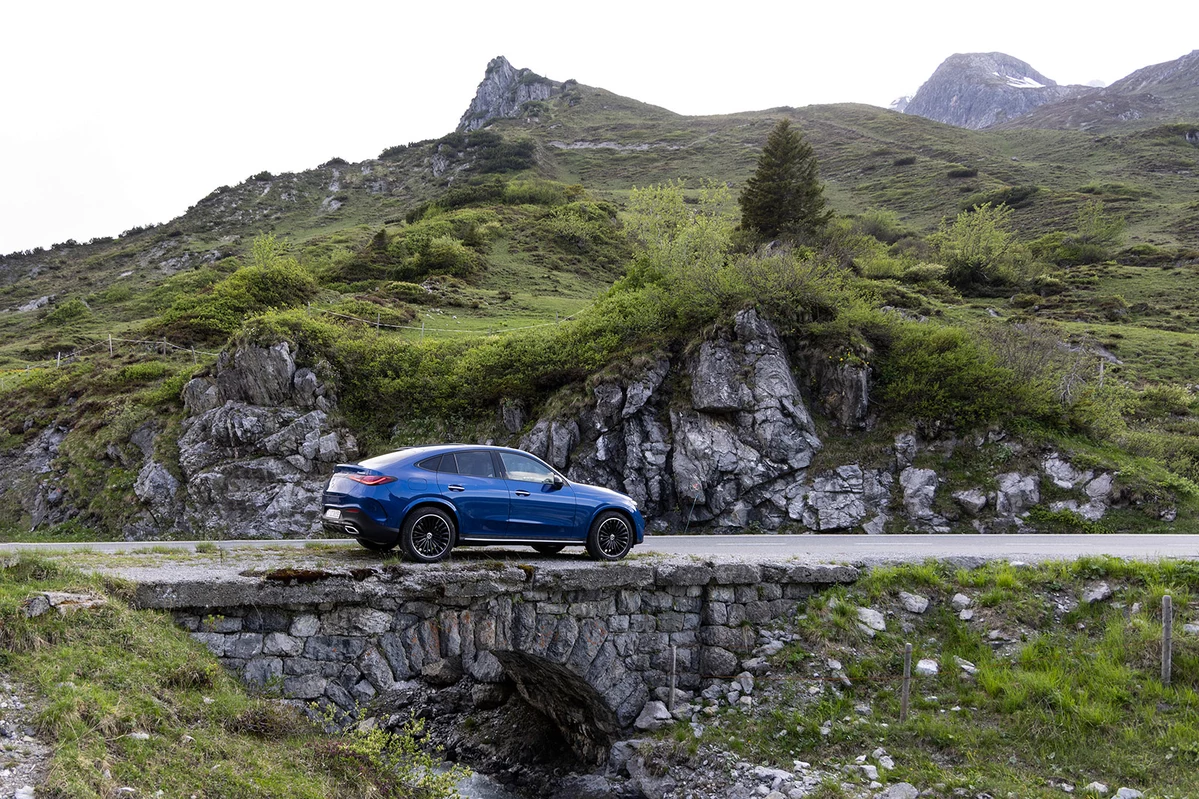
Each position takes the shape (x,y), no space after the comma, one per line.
(611,536)
(428,535)
(374,546)
(549,549)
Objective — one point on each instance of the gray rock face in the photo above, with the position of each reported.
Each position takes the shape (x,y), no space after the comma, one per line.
(732,454)
(503,91)
(977,90)
(255,451)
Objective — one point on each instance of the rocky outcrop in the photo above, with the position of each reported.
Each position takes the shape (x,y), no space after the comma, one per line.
(254,453)
(730,449)
(978,90)
(502,93)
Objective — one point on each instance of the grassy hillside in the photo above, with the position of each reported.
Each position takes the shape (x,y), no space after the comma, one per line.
(448,276)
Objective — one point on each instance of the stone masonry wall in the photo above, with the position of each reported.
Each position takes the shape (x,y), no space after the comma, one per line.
(586,644)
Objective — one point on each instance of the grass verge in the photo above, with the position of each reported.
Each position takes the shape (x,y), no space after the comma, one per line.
(130,701)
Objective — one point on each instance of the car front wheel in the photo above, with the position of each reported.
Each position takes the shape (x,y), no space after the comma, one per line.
(611,536)
(428,535)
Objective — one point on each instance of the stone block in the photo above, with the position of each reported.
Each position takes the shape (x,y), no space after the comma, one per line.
(669,622)
(722,593)
(281,644)
(259,671)
(618,624)
(565,635)
(308,686)
(715,613)
(643,622)
(524,626)
(375,668)
(486,668)
(769,591)
(592,635)
(734,573)
(746,593)
(305,626)
(717,662)
(451,638)
(628,601)
(243,645)
(266,621)
(338,648)
(758,611)
(221,624)
(397,658)
(687,604)
(214,641)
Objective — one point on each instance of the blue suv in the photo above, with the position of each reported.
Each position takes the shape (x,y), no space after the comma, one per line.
(430,499)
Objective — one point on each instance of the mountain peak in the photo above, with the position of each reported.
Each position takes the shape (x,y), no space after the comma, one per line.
(503,91)
(977,90)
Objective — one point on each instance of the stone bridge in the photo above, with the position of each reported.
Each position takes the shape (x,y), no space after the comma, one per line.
(584,643)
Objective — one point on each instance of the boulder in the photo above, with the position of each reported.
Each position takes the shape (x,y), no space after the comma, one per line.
(1016,494)
(913,603)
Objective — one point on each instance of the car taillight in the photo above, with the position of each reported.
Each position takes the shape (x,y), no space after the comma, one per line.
(371,479)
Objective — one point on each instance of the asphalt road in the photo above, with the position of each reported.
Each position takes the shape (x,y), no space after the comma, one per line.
(826,548)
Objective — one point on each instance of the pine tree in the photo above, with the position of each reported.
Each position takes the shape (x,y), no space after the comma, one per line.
(785,197)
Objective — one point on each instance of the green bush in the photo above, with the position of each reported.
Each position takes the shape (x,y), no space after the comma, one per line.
(273,282)
(962,172)
(939,375)
(883,225)
(923,273)
(1011,196)
(978,247)
(906,160)
(73,310)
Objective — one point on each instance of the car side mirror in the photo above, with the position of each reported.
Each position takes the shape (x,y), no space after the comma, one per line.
(556,482)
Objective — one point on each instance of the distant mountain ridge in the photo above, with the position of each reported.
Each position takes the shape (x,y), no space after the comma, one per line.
(1158,93)
(978,90)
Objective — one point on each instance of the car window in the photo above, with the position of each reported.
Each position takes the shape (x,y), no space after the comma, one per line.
(475,464)
(432,464)
(525,469)
(447,464)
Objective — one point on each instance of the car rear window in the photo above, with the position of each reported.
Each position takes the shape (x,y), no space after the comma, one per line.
(432,464)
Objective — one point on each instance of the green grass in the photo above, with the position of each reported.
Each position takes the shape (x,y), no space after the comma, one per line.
(107,674)
(1075,698)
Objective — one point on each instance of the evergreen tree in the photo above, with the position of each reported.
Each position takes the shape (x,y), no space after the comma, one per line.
(785,196)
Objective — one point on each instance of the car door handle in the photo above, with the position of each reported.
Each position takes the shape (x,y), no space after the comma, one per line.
(521,493)
(456,488)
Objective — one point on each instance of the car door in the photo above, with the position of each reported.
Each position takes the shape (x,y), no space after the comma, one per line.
(471,481)
(539,507)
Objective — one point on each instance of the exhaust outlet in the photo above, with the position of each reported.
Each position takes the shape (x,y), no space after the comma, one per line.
(352,530)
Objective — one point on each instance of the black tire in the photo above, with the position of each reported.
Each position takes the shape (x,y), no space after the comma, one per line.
(375,546)
(611,536)
(549,549)
(428,535)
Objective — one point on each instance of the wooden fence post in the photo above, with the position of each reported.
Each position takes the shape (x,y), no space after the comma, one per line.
(906,691)
(1167,638)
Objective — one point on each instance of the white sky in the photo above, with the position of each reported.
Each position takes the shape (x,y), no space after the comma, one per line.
(120,113)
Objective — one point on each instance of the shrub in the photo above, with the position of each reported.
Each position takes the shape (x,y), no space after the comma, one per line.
(977,247)
(906,160)
(962,172)
(1011,196)
(923,273)
(274,281)
(883,225)
(73,310)
(938,375)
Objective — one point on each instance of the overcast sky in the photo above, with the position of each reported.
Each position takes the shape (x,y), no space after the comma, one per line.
(119,113)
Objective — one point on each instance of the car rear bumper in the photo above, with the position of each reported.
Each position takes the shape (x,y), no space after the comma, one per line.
(353,522)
